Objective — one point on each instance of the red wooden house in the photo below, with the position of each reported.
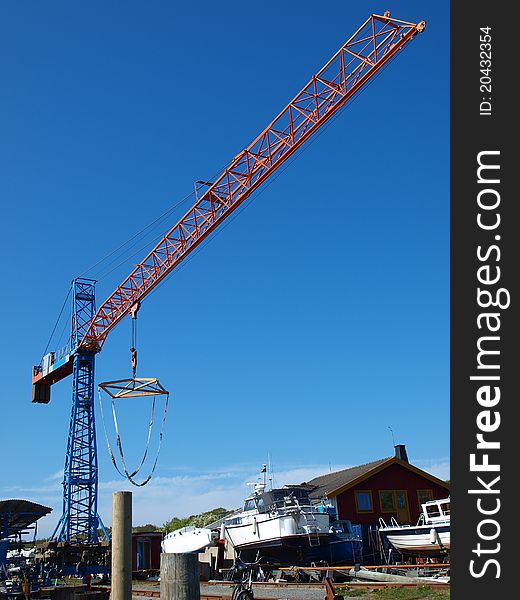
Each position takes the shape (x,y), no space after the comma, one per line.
(389,487)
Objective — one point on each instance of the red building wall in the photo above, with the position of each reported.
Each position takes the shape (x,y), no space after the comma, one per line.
(394,477)
(154,540)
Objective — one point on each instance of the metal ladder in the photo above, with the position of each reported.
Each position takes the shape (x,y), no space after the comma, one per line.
(314,538)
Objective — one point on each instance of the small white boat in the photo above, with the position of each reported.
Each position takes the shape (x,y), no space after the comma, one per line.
(188,539)
(430,537)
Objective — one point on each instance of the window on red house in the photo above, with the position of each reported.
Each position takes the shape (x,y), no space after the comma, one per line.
(424,495)
(363,501)
(395,501)
(387,501)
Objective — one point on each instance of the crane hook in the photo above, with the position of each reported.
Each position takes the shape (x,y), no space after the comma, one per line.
(134,309)
(133,352)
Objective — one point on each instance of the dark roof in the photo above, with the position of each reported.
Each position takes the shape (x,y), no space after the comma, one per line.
(333,483)
(325,484)
(21,513)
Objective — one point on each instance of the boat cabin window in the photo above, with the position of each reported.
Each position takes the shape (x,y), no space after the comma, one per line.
(433,511)
(339,527)
(445,508)
(282,496)
(249,504)
(260,504)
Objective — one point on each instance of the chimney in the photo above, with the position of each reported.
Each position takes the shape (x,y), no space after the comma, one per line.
(400,452)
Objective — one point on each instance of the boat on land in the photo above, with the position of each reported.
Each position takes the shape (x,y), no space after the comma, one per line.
(283,527)
(429,538)
(188,539)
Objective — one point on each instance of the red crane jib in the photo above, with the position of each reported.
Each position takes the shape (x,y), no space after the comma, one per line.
(375,42)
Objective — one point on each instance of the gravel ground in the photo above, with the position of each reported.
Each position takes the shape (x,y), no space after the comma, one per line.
(260,591)
(315,593)
(268,591)
(284,592)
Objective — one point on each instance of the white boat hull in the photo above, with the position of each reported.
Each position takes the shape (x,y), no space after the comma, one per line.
(426,540)
(187,539)
(262,529)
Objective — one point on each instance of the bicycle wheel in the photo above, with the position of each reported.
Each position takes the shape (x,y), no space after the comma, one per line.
(245,594)
(237,590)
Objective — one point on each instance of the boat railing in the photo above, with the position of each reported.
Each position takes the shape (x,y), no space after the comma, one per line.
(393,523)
(290,504)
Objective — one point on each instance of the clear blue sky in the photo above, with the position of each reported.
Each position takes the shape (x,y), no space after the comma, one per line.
(317,319)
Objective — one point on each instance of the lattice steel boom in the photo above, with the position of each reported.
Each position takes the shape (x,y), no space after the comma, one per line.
(360,58)
(378,39)
(363,55)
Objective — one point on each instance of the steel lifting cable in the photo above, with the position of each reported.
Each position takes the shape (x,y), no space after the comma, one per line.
(133,346)
(280,171)
(151,226)
(56,324)
(139,234)
(125,473)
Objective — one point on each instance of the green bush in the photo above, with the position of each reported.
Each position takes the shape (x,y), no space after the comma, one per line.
(200,520)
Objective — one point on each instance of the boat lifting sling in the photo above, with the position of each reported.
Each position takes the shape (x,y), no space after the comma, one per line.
(134,387)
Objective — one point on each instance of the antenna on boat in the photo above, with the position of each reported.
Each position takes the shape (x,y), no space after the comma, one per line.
(264,470)
(270,470)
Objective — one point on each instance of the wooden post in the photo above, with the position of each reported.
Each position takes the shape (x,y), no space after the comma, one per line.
(180,577)
(121,577)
